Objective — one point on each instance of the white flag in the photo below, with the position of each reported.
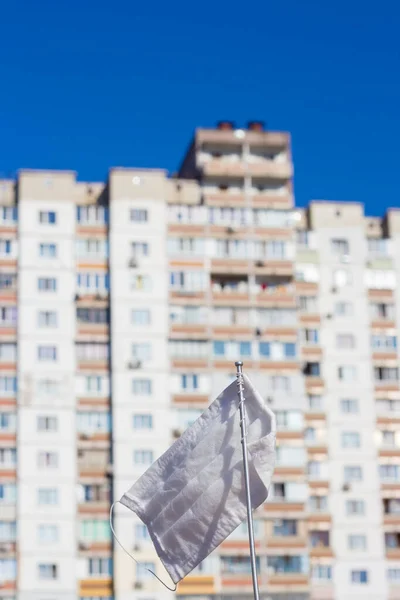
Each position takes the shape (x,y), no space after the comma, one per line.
(193,496)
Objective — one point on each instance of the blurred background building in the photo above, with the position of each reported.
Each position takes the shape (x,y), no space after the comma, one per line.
(123,306)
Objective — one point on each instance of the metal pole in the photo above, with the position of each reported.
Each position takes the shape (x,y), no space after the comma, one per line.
(242,411)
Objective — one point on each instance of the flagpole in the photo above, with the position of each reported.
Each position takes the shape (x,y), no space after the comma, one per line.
(242,411)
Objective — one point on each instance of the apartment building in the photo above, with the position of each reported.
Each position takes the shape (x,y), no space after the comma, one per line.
(123,306)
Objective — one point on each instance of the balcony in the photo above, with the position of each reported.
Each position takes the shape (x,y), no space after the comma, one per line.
(230,289)
(392,545)
(196,585)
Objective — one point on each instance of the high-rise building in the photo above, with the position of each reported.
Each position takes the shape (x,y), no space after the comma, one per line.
(123,306)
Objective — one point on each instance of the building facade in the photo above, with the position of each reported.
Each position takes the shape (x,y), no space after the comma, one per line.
(123,306)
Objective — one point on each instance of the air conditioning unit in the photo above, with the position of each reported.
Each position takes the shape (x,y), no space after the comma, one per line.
(345,258)
(136,548)
(346,487)
(230,230)
(77,297)
(260,263)
(134,364)
(334,290)
(83,546)
(133,263)
(84,436)
(329,316)
(269,400)
(177,433)
(138,585)
(99,297)
(258,332)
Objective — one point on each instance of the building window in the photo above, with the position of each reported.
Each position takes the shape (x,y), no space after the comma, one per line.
(386,343)
(389,472)
(388,438)
(92,422)
(357,541)
(359,576)
(189,281)
(141,316)
(92,351)
(142,283)
(8,493)
(48,250)
(92,248)
(343,309)
(92,315)
(8,421)
(381,310)
(349,405)
(8,352)
(309,336)
(8,281)
(100,566)
(350,439)
(8,385)
(8,457)
(308,304)
(347,373)
(387,405)
(377,246)
(186,246)
(48,217)
(280,383)
(8,316)
(232,349)
(48,571)
(340,246)
(312,369)
(47,284)
(143,570)
(142,351)
(47,318)
(189,348)
(315,402)
(345,341)
(139,215)
(48,387)
(142,387)
(141,532)
(285,527)
(5,247)
(47,423)
(392,540)
(318,503)
(47,496)
(321,572)
(92,215)
(47,534)
(352,473)
(355,507)
(8,215)
(47,353)
(190,382)
(47,460)
(95,530)
(393,575)
(143,457)
(96,492)
(386,373)
(140,249)
(342,278)
(93,383)
(93,282)
(142,422)
(8,531)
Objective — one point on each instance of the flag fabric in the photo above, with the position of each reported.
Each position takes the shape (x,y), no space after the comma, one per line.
(193,496)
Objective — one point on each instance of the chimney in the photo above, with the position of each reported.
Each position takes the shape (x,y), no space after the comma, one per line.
(256,125)
(226,125)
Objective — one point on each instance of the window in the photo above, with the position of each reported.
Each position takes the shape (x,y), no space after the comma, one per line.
(92,351)
(340,246)
(8,385)
(188,315)
(93,383)
(345,341)
(347,373)
(350,439)
(143,570)
(142,283)
(8,215)
(392,540)
(47,353)
(355,507)
(381,310)
(140,249)
(189,281)
(93,282)
(92,315)
(310,336)
(47,284)
(302,238)
(141,316)
(47,423)
(47,496)
(8,352)
(289,419)
(285,527)
(319,539)
(48,387)
(48,216)
(8,281)
(318,503)
(232,349)
(388,438)
(384,342)
(352,473)
(48,250)
(8,531)
(141,532)
(5,247)
(92,215)
(343,309)
(342,278)
(284,564)
(315,402)
(380,279)
(308,304)
(312,369)
(321,572)
(143,457)
(92,422)
(8,421)
(142,422)
(190,382)
(186,246)
(377,246)
(142,351)
(8,493)
(96,492)
(47,318)
(387,405)
(8,457)
(386,373)
(349,405)
(100,566)
(359,576)
(357,541)
(47,534)
(47,459)
(389,472)
(48,571)
(393,575)
(189,348)
(142,387)
(95,530)
(280,383)
(309,273)
(139,215)
(91,248)
(8,316)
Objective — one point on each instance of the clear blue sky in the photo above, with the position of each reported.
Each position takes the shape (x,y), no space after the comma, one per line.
(87,85)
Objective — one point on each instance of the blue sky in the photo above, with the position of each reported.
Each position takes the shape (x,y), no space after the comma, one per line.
(89,85)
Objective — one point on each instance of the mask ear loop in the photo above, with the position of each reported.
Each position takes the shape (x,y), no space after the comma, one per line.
(129,554)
